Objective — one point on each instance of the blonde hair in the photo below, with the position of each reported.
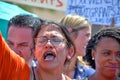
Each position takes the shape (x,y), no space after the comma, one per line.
(80,60)
(75,21)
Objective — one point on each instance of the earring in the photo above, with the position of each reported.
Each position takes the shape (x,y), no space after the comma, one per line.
(68,57)
(34,62)
(93,58)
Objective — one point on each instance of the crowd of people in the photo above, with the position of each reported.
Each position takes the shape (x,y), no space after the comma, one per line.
(38,49)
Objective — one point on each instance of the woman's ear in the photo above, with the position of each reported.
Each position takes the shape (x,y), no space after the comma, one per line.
(93,54)
(70,29)
(72,34)
(71,53)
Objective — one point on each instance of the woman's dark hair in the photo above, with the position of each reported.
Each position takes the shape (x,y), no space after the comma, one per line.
(107,32)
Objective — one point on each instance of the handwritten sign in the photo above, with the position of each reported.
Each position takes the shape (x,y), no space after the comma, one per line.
(51,4)
(97,11)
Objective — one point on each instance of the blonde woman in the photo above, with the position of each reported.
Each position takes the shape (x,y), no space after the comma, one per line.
(80,29)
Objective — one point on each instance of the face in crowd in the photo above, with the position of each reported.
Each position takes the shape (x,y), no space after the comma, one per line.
(53,47)
(20,35)
(80,31)
(20,40)
(81,40)
(103,52)
(107,56)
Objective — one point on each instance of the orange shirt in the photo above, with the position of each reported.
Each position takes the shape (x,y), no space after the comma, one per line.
(12,66)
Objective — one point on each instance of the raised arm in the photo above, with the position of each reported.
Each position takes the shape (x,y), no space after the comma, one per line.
(12,66)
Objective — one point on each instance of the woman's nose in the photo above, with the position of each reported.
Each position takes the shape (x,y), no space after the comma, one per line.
(48,44)
(113,59)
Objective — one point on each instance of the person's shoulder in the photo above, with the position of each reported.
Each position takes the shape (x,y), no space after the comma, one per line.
(118,78)
(89,69)
(86,70)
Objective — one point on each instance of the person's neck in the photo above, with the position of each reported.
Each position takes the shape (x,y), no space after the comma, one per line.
(42,74)
(31,70)
(97,76)
(30,63)
(70,68)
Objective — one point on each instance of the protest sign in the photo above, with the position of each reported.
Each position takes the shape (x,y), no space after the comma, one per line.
(50,4)
(97,11)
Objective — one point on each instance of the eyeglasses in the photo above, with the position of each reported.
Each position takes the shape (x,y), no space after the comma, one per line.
(41,41)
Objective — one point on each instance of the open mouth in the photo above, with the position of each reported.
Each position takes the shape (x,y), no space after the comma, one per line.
(49,55)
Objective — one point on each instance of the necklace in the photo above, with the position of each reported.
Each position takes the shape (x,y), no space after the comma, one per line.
(37,74)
